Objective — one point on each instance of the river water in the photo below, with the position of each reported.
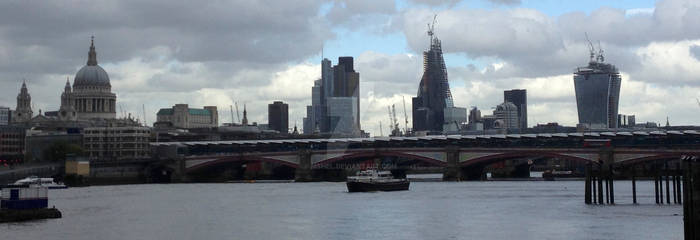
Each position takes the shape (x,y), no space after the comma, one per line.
(324,210)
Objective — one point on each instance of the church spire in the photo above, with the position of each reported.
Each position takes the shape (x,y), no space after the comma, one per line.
(245,116)
(67,88)
(92,55)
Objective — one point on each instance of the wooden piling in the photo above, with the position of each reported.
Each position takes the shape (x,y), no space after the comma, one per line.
(634,189)
(679,175)
(600,189)
(612,186)
(588,184)
(691,197)
(668,195)
(661,188)
(656,188)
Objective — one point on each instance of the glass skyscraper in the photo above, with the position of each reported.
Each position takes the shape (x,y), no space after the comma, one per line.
(597,93)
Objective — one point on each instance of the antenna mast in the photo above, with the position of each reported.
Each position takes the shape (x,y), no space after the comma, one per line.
(405,117)
(143,106)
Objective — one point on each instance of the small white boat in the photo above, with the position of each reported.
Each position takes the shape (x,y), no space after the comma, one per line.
(45,182)
(373,180)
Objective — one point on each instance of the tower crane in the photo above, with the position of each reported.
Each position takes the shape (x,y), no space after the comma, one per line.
(237,113)
(393,121)
(590,46)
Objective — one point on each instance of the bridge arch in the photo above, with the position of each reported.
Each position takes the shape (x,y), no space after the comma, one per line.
(490,159)
(657,157)
(375,154)
(237,159)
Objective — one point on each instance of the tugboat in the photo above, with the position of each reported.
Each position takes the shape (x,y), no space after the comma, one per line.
(373,180)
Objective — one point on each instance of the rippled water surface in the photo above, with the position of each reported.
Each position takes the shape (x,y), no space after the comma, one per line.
(430,210)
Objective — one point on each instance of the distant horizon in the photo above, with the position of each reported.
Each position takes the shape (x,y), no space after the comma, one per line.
(208,57)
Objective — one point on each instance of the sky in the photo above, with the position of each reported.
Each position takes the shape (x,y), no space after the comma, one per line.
(216,53)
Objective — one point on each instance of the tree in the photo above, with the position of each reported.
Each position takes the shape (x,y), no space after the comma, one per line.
(58,151)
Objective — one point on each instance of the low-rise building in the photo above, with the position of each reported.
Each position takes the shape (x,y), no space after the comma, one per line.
(181,116)
(12,143)
(116,143)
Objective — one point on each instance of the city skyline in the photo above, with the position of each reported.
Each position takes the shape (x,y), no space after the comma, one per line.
(659,70)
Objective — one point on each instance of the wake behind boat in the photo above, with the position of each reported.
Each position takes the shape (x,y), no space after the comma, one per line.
(373,180)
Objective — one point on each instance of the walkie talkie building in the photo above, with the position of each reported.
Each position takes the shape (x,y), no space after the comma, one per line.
(597,93)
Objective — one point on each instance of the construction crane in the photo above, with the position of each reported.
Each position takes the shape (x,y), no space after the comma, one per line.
(431,28)
(237,113)
(231,110)
(394,127)
(698,99)
(405,117)
(590,46)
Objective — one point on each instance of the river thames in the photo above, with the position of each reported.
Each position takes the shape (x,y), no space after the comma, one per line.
(325,210)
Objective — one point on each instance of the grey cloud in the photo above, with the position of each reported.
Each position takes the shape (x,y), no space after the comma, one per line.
(190,45)
(695,51)
(386,75)
(534,44)
(506,2)
(261,31)
(436,2)
(360,13)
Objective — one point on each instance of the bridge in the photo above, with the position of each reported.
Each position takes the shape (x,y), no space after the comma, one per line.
(459,156)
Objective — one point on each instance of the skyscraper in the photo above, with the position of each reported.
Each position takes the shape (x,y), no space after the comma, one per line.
(519,98)
(335,101)
(278,116)
(433,91)
(597,92)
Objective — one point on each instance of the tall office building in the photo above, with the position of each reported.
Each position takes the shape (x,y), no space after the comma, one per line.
(506,116)
(4,115)
(597,92)
(434,94)
(278,116)
(519,98)
(335,100)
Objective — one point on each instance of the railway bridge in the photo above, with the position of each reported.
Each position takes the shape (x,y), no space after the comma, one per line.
(459,156)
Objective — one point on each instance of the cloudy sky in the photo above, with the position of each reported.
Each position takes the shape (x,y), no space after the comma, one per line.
(159,53)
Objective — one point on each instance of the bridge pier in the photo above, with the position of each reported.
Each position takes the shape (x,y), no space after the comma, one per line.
(691,197)
(303,171)
(452,171)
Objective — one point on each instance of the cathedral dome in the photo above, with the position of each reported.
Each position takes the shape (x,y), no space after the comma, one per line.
(91,75)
